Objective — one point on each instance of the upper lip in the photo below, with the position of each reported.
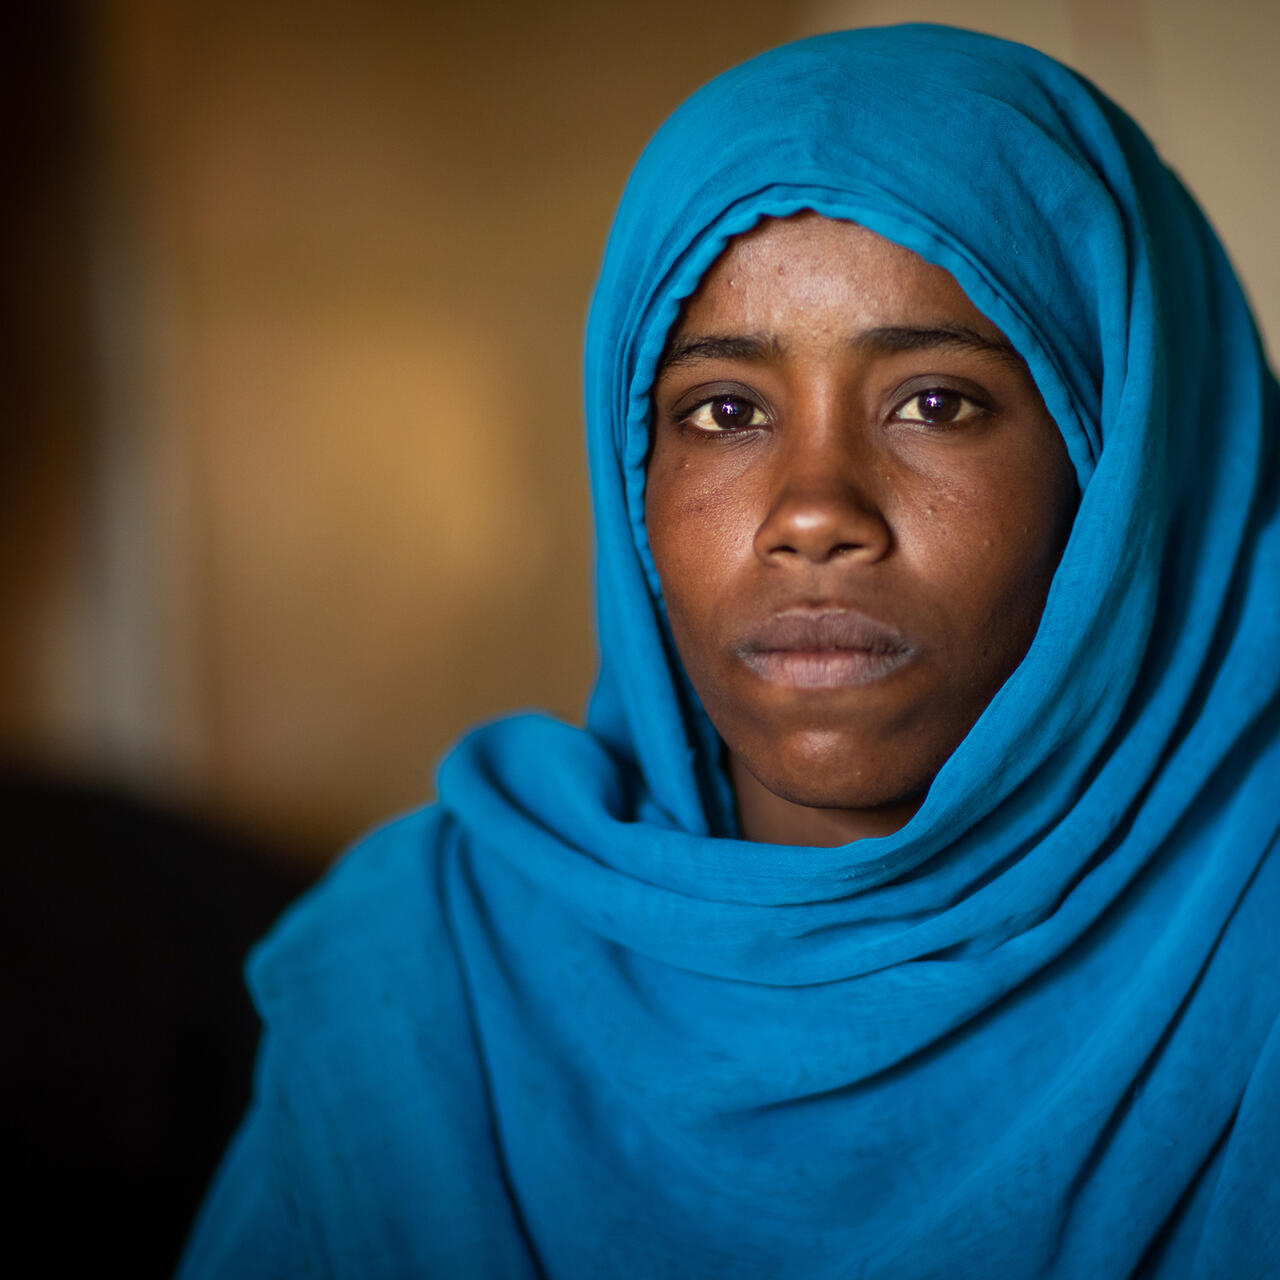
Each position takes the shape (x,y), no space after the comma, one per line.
(821,629)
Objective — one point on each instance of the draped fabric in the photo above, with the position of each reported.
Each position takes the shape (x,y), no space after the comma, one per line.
(567,1023)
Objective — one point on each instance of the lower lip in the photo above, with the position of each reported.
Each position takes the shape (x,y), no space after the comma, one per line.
(825,668)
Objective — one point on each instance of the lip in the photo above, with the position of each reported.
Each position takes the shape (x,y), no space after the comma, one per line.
(823,648)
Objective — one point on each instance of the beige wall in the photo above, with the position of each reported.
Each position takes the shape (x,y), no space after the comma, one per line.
(350,251)
(341,256)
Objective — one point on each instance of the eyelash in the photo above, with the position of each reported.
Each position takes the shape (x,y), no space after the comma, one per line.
(966,409)
(706,408)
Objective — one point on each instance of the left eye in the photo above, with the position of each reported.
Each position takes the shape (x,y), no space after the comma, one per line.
(937,405)
(726,413)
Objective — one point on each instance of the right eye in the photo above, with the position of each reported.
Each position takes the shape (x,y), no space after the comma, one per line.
(722,414)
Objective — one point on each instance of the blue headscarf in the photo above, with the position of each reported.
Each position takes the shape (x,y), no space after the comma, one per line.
(1034,1032)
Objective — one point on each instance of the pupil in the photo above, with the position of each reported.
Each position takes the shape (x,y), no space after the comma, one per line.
(939,406)
(730,412)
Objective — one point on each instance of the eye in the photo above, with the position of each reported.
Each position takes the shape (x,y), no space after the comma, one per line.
(937,406)
(725,413)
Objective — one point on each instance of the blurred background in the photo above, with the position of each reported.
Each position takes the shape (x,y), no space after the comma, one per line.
(292,480)
(293,486)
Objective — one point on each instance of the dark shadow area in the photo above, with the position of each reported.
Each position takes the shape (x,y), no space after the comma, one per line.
(129,1034)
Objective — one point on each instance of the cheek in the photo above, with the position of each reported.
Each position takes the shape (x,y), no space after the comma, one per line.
(989,542)
(700,526)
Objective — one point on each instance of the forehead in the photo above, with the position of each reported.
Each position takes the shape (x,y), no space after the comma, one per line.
(821,273)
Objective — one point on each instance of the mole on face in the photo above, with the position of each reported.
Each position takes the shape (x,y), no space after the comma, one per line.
(856,501)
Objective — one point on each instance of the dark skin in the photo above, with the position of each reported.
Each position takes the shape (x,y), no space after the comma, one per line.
(856,501)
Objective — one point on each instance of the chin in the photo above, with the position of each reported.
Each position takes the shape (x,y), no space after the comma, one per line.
(841,795)
(825,771)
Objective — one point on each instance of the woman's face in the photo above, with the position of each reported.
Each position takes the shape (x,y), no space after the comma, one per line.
(856,500)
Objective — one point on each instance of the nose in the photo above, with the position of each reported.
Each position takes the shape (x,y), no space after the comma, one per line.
(824,504)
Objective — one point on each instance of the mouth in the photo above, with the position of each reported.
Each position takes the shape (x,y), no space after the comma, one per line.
(828,648)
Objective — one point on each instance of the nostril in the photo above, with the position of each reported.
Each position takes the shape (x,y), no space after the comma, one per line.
(829,552)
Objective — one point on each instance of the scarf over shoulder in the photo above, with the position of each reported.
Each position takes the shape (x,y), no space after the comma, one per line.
(565,1023)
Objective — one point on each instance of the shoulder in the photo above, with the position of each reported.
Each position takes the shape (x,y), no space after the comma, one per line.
(368,1151)
(372,936)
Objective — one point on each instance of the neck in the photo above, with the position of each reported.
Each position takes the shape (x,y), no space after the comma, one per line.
(769,818)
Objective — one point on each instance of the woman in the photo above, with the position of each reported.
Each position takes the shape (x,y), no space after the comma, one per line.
(904,908)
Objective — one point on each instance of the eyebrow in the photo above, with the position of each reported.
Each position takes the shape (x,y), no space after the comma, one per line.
(693,349)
